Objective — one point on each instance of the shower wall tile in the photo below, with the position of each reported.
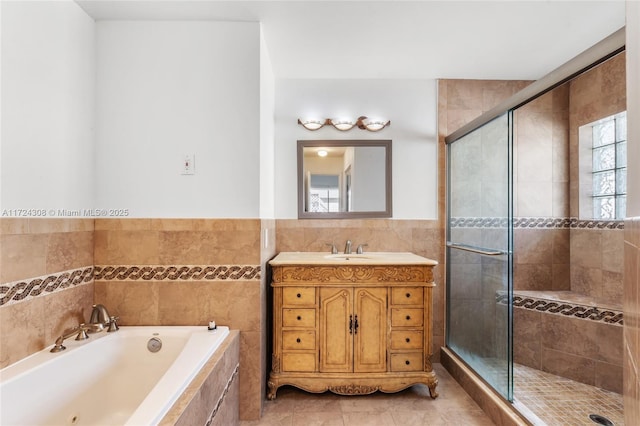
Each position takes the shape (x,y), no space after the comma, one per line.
(609,377)
(570,366)
(527,335)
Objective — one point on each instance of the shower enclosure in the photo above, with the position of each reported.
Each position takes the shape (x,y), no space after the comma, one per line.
(479,251)
(498,167)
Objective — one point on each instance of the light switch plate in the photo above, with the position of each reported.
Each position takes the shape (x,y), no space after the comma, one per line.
(189,164)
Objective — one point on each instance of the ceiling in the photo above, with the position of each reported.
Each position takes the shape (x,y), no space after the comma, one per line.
(401,39)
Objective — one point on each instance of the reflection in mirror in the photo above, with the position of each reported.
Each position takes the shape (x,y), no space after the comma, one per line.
(344,179)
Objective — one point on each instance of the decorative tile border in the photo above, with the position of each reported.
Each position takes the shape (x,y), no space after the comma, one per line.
(535,223)
(563,308)
(177,273)
(18,291)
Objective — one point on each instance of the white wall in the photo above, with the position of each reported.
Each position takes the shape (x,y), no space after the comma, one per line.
(267,149)
(47,83)
(633,108)
(409,104)
(170,88)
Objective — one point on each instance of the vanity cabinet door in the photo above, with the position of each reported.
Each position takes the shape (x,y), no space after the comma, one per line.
(336,329)
(370,330)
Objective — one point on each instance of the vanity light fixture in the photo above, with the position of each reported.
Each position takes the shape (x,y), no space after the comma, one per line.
(372,125)
(363,122)
(342,124)
(313,123)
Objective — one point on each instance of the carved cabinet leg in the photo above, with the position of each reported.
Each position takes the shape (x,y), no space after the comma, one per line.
(432,390)
(273,388)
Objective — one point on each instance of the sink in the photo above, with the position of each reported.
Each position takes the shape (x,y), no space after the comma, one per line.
(348,256)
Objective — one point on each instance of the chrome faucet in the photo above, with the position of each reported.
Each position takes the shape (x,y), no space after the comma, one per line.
(347,247)
(360,249)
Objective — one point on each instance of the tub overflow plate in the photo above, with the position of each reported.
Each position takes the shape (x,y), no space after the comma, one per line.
(154,344)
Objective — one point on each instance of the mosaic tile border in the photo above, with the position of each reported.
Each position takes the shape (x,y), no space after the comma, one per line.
(18,291)
(535,223)
(563,308)
(177,273)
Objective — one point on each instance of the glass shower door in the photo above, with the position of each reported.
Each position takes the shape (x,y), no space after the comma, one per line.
(479,252)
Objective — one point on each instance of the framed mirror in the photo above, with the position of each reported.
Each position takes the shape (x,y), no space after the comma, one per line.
(339,179)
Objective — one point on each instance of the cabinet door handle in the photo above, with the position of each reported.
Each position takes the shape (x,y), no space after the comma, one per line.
(407,340)
(350,324)
(407,362)
(355,327)
(408,317)
(298,340)
(408,295)
(298,295)
(299,317)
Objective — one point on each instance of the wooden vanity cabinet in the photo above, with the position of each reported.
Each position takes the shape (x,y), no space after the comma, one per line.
(351,329)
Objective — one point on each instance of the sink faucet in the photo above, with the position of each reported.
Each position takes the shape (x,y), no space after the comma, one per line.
(360,249)
(347,247)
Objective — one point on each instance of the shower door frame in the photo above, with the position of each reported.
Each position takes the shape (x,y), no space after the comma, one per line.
(483,251)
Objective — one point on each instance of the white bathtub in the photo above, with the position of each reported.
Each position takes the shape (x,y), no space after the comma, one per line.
(110,379)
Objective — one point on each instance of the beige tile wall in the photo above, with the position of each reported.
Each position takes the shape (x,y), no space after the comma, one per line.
(596,255)
(31,248)
(240,304)
(632,321)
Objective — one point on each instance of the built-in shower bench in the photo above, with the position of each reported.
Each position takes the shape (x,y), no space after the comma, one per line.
(569,334)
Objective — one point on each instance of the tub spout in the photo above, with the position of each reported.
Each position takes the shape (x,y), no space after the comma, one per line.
(100,318)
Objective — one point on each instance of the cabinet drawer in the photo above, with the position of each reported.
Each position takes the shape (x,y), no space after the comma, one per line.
(294,339)
(295,296)
(411,361)
(406,317)
(298,362)
(299,317)
(407,296)
(409,339)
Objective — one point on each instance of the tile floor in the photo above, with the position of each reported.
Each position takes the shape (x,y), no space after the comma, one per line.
(412,406)
(554,400)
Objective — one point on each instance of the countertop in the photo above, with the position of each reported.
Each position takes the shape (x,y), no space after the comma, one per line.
(370,258)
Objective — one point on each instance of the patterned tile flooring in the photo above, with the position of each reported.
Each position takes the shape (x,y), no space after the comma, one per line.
(546,399)
(554,400)
(411,407)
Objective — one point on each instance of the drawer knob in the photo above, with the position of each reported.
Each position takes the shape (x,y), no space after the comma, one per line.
(298,295)
(298,340)
(408,295)
(407,362)
(408,317)
(407,340)
(299,317)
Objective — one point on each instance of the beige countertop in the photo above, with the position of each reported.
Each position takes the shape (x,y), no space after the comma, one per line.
(370,258)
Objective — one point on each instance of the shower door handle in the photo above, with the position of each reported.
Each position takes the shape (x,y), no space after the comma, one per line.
(474,249)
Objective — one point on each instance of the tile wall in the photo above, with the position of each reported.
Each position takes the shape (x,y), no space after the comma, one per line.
(186,272)
(46,282)
(632,320)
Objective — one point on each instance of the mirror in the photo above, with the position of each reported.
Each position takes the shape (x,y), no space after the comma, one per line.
(344,179)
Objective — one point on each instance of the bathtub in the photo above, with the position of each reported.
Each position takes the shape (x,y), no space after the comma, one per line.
(110,379)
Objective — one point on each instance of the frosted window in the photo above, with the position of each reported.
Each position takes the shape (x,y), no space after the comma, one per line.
(610,167)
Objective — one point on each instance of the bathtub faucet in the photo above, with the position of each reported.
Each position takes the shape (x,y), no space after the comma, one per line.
(80,332)
(100,319)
